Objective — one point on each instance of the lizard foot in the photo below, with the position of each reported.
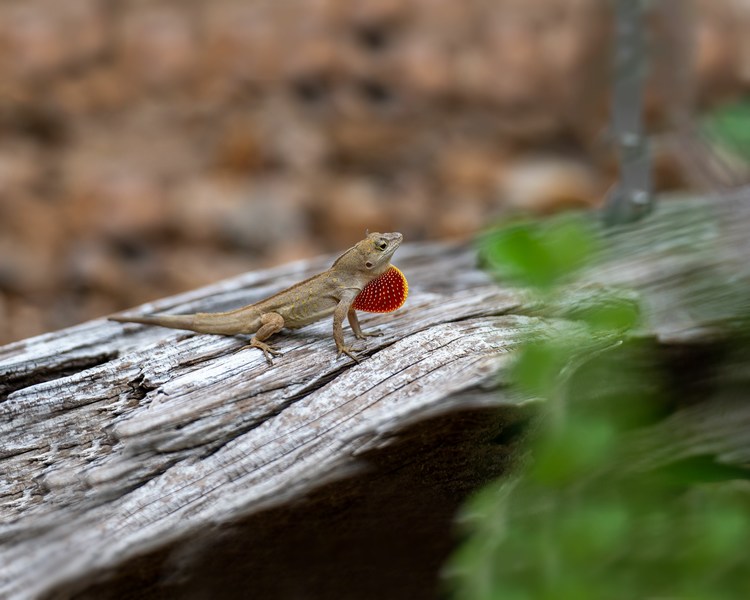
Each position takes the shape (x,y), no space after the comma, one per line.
(349,351)
(362,335)
(268,351)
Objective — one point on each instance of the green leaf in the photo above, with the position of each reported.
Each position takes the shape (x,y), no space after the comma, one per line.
(539,254)
(730,126)
(536,369)
(581,446)
(591,532)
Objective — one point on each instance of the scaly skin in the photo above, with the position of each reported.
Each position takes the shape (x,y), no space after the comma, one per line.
(331,292)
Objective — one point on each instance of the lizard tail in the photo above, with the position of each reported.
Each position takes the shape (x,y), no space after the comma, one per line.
(218,323)
(173,321)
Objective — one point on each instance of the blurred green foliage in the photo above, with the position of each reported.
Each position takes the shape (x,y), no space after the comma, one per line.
(539,254)
(577,521)
(729,125)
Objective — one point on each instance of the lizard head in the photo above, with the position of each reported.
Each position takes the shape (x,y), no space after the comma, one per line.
(372,255)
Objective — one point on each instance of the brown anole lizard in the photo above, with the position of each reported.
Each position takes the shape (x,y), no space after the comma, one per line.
(362,278)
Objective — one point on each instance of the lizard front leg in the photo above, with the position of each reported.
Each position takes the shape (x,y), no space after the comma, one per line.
(354,324)
(342,309)
(270,323)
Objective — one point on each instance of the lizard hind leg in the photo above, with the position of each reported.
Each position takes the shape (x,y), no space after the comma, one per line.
(270,323)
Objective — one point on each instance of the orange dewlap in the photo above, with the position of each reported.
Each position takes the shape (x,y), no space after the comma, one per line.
(384,294)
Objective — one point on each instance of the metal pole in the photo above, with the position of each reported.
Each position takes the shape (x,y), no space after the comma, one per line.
(632,197)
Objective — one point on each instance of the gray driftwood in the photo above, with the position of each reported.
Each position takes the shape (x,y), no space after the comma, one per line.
(145,462)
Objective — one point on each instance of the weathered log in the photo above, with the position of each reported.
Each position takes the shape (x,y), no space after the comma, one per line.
(151,462)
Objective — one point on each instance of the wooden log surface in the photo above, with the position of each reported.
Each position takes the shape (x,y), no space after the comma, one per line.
(119,442)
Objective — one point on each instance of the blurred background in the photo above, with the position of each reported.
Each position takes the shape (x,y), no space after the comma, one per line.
(153,146)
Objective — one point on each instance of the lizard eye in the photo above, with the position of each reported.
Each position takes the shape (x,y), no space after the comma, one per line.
(382,245)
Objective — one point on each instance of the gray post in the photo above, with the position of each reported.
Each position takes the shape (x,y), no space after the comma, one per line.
(632,197)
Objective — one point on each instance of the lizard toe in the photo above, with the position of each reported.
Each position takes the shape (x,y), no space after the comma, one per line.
(349,351)
(364,335)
